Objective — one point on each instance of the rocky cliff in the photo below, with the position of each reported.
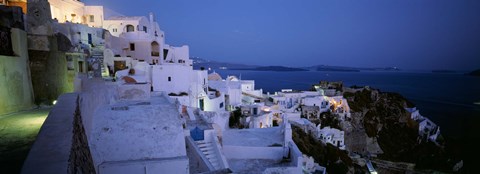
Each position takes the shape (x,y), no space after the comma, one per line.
(381,127)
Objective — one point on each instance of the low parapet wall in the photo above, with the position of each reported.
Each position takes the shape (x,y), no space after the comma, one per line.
(62,144)
(51,151)
(249,152)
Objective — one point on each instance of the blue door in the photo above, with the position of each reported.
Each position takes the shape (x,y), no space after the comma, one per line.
(197,134)
(90,39)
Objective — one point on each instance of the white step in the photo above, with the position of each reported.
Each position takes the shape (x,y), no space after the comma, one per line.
(204,145)
(207,148)
(216,165)
(211,156)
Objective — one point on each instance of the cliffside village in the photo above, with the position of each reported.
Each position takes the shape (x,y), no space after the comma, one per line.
(138,106)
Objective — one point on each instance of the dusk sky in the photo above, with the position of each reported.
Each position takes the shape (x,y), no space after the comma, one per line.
(410,34)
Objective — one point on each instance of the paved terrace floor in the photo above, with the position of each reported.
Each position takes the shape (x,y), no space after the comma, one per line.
(17,134)
(251,166)
(259,137)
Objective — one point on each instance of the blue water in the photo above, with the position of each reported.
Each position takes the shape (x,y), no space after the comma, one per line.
(447,99)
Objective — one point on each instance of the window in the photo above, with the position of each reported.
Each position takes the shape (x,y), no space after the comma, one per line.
(114,30)
(169,79)
(155,49)
(92,18)
(165,53)
(132,46)
(130,28)
(221,105)
(145,29)
(90,40)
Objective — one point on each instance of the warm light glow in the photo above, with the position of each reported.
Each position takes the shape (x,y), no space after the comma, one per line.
(34,121)
(266,109)
(54,102)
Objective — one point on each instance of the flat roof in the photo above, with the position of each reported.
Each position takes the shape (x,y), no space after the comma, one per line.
(257,137)
(137,130)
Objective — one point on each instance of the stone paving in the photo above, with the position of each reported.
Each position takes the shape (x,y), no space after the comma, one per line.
(17,134)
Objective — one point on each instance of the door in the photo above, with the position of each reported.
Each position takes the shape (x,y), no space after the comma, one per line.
(201,104)
(90,39)
(80,66)
(197,134)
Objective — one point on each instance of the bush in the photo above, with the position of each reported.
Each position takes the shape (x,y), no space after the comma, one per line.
(234,120)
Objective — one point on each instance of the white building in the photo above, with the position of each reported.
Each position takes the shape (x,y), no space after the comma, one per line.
(75,11)
(250,94)
(146,42)
(414,113)
(321,101)
(122,141)
(287,99)
(427,129)
(232,91)
(340,107)
(333,136)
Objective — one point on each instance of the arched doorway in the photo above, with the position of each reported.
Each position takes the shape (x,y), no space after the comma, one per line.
(130,28)
(155,49)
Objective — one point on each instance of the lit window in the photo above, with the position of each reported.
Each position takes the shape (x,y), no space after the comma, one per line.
(92,18)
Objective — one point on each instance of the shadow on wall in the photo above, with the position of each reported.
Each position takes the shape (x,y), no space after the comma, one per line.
(49,72)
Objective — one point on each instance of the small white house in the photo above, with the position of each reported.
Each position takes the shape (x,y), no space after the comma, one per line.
(146,42)
(427,129)
(231,89)
(75,11)
(321,101)
(332,136)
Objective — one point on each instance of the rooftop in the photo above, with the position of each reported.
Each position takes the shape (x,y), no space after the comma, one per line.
(133,18)
(253,137)
(137,130)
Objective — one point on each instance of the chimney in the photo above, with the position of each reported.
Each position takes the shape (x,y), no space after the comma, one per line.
(152,17)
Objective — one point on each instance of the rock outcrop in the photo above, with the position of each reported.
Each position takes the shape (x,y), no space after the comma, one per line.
(475,73)
(381,127)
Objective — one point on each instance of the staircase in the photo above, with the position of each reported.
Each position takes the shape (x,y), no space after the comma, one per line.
(99,57)
(97,53)
(208,149)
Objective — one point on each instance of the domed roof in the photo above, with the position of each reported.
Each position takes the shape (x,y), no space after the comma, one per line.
(232,78)
(214,76)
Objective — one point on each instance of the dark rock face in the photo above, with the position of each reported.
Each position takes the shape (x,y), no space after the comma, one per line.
(383,117)
(329,156)
(475,73)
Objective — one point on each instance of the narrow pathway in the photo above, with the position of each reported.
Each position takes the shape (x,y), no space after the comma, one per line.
(17,134)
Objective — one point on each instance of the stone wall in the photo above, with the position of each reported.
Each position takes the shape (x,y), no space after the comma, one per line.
(15,80)
(80,160)
(49,73)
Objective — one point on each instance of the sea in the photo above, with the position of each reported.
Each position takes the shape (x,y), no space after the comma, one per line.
(450,100)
